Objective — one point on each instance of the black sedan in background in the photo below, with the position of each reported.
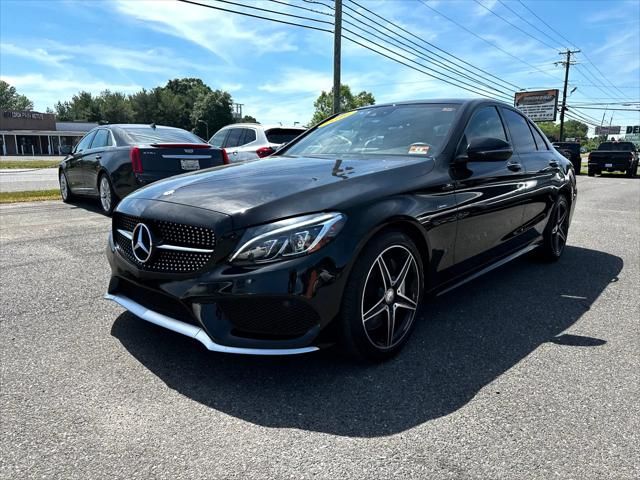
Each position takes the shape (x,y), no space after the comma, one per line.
(338,236)
(111,161)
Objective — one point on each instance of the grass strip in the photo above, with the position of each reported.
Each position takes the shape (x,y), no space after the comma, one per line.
(29,164)
(29,196)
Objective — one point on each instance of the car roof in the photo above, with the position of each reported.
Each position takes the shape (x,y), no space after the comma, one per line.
(263,126)
(450,101)
(138,125)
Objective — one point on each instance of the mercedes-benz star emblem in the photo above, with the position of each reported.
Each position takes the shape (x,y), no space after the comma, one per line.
(142,243)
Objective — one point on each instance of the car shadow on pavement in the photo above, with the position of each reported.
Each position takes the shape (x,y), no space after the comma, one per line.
(465,340)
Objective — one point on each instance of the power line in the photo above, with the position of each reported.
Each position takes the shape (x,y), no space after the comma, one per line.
(256,16)
(515,26)
(466,86)
(453,69)
(460,60)
(274,12)
(612,109)
(485,40)
(524,19)
(458,83)
(570,43)
(293,5)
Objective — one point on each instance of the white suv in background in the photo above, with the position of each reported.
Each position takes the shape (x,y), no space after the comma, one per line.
(248,141)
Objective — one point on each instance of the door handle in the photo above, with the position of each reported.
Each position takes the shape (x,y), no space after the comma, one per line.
(98,157)
(514,166)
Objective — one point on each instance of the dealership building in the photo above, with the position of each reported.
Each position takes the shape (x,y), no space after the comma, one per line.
(34,133)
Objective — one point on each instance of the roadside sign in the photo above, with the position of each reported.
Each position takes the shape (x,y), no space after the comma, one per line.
(608,130)
(539,106)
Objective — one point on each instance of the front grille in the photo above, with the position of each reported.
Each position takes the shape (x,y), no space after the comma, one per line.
(269,317)
(171,233)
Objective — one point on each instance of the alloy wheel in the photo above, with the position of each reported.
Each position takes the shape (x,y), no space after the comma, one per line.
(390,297)
(105,194)
(559,231)
(64,188)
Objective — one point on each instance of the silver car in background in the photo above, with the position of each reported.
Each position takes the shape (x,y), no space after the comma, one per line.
(248,141)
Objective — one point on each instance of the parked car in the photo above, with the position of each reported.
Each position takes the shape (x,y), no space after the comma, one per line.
(612,157)
(112,161)
(340,235)
(573,151)
(248,141)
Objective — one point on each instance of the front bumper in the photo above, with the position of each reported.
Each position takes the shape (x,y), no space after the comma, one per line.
(197,333)
(282,308)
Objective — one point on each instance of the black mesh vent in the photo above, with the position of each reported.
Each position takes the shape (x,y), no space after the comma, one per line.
(269,317)
(176,234)
(158,302)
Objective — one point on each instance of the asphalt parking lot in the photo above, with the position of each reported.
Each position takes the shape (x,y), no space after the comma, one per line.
(529,372)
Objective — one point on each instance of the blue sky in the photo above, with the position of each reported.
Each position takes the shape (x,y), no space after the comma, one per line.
(52,49)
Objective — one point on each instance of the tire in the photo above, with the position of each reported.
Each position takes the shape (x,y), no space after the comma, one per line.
(106,195)
(376,291)
(65,190)
(555,235)
(591,173)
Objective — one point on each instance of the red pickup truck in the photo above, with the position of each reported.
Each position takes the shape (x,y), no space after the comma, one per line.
(612,157)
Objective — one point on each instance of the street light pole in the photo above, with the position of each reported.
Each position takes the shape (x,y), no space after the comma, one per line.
(206,125)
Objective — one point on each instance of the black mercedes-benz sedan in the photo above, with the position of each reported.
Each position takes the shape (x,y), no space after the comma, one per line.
(112,161)
(338,237)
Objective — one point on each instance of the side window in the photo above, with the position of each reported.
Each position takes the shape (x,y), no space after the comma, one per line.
(521,136)
(249,136)
(235,135)
(85,142)
(101,139)
(485,122)
(540,142)
(218,138)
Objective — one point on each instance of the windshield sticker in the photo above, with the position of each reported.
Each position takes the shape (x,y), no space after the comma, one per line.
(419,149)
(336,119)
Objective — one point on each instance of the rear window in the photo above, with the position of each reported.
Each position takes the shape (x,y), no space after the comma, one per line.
(619,146)
(148,135)
(282,135)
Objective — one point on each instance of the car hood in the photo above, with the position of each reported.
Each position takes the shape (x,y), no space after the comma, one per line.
(280,186)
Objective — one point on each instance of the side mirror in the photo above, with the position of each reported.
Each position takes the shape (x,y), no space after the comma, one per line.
(487,149)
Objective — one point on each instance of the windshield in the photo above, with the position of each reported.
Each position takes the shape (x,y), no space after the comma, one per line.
(148,135)
(618,147)
(391,130)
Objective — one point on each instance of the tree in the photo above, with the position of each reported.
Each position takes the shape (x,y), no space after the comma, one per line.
(10,99)
(213,108)
(82,107)
(572,129)
(144,105)
(324,103)
(114,107)
(188,91)
(248,119)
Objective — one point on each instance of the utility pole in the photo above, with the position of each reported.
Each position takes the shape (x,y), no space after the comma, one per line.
(337,38)
(566,64)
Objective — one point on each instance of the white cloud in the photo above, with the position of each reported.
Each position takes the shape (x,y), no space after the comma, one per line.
(37,54)
(225,35)
(46,90)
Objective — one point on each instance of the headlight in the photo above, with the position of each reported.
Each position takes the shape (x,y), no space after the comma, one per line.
(288,238)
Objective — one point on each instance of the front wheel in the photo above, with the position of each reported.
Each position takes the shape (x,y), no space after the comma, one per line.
(555,235)
(107,195)
(65,191)
(382,297)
